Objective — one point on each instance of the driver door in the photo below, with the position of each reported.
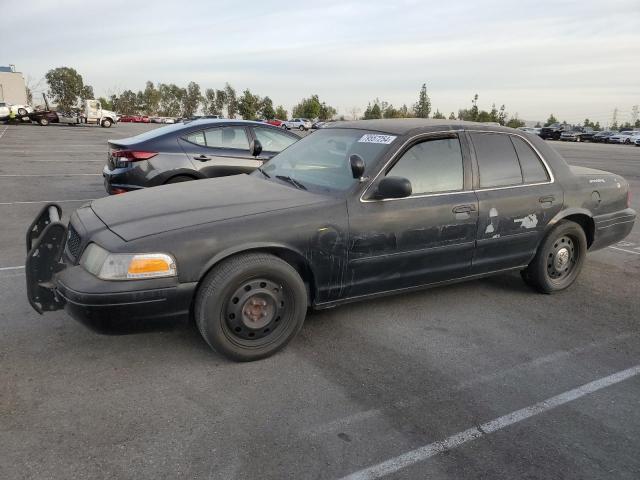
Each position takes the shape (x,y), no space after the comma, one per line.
(425,238)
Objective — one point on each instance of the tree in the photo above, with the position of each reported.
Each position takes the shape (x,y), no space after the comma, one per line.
(209,104)
(404,112)
(171,99)
(127,103)
(66,87)
(452,116)
(150,99)
(635,114)
(191,99)
(281,113)
(515,122)
(248,105)
(391,112)
(106,103)
(422,108)
(327,112)
(551,120)
(308,108)
(502,115)
(221,100)
(376,112)
(538,125)
(266,109)
(474,109)
(367,112)
(230,101)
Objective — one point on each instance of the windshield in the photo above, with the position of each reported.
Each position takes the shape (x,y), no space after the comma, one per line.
(320,161)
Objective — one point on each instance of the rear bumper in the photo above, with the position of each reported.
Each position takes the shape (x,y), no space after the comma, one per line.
(612,228)
(119,180)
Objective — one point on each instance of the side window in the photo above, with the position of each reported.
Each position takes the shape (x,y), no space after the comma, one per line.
(497,160)
(432,166)
(273,141)
(533,170)
(227,137)
(197,138)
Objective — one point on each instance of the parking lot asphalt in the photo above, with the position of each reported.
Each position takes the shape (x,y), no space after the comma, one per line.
(485,379)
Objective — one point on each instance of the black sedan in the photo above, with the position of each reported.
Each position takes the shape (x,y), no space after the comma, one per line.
(354,211)
(603,137)
(191,150)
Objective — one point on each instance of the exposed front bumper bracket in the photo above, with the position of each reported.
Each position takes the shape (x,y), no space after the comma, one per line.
(46,238)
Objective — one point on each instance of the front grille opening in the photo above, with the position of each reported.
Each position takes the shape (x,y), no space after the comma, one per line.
(73,242)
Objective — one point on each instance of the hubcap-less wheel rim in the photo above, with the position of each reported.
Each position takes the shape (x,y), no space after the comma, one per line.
(561,259)
(255,312)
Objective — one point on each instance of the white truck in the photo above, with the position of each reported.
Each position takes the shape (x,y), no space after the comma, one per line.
(94,113)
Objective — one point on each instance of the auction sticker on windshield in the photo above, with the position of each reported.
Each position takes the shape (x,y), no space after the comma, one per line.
(374,138)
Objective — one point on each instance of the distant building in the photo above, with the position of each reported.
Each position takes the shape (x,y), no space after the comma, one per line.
(13,88)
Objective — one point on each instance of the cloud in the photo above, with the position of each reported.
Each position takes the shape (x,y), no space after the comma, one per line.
(536,58)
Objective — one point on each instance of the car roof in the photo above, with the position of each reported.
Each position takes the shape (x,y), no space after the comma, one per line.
(402,126)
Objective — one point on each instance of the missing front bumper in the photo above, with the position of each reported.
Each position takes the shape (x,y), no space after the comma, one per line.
(45,240)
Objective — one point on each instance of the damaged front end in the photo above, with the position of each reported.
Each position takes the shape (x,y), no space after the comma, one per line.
(46,239)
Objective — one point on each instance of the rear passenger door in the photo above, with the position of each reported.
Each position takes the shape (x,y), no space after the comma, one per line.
(517,197)
(220,151)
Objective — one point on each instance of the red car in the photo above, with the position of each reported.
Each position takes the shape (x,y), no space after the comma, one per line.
(275,122)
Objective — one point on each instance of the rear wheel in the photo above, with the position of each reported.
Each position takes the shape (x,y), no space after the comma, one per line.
(44,122)
(301,128)
(250,306)
(179,179)
(22,112)
(559,258)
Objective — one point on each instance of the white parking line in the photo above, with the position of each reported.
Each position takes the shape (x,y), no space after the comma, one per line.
(47,201)
(624,250)
(423,453)
(4,131)
(19,267)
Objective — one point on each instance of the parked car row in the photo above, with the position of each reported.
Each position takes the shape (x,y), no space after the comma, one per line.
(18,110)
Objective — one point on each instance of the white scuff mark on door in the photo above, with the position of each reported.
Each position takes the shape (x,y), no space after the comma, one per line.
(530,221)
(493,213)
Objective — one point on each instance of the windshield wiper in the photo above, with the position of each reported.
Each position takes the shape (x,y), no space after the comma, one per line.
(292,181)
(263,172)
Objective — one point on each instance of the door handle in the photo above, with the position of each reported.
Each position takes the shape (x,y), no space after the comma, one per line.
(202,158)
(464,209)
(547,199)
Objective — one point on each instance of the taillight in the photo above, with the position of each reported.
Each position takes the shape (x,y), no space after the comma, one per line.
(123,158)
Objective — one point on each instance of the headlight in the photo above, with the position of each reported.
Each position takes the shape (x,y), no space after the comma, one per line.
(127,266)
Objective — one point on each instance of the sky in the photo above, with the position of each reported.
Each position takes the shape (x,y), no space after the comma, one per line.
(574,59)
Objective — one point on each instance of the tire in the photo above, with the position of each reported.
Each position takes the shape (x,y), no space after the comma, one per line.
(106,123)
(22,112)
(283,126)
(627,142)
(43,122)
(247,326)
(301,128)
(179,179)
(559,258)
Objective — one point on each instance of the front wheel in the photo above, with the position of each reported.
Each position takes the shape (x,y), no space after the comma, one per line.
(44,122)
(301,128)
(22,112)
(250,306)
(106,123)
(559,258)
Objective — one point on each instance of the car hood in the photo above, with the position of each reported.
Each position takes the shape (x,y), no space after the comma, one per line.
(170,207)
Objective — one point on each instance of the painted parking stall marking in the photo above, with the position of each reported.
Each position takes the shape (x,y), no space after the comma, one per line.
(423,453)
(627,247)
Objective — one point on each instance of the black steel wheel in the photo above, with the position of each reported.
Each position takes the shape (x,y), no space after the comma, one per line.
(250,306)
(559,258)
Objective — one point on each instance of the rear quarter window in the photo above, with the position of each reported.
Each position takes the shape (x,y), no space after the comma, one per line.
(533,171)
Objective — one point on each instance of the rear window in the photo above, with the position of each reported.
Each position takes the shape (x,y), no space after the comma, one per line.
(533,171)
(497,160)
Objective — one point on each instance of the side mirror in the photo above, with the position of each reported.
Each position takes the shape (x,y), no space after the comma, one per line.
(357,165)
(255,148)
(393,187)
